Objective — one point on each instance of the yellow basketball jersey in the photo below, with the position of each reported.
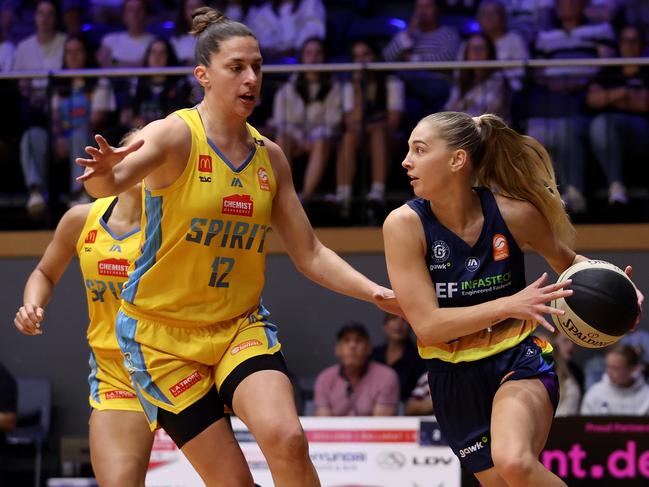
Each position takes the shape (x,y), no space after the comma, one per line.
(203,256)
(104,259)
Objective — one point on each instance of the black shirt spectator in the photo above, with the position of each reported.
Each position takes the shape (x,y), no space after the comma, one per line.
(8,403)
(408,365)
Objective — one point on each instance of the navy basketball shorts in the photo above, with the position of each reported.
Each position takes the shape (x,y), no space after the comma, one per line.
(463,396)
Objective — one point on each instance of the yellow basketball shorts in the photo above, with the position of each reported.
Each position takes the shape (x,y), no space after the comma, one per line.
(110,384)
(174,365)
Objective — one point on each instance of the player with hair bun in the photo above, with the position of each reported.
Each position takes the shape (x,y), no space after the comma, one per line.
(192,325)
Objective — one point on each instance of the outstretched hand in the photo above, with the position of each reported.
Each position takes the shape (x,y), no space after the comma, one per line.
(530,303)
(385,299)
(628,270)
(28,319)
(104,157)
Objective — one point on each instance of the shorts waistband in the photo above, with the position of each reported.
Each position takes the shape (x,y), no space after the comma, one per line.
(133,312)
(442,365)
(107,353)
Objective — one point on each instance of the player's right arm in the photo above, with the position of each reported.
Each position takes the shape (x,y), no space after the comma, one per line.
(159,152)
(49,270)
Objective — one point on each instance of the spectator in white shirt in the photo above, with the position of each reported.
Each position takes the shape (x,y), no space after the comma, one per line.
(509,45)
(40,51)
(283,26)
(622,390)
(127,48)
(79,108)
(373,103)
(307,114)
(183,42)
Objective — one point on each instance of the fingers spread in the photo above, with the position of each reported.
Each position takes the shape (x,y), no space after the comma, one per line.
(102,143)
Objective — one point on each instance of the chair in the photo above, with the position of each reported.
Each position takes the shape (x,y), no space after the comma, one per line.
(34,408)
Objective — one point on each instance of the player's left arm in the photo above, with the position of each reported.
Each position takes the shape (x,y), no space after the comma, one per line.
(532,231)
(310,256)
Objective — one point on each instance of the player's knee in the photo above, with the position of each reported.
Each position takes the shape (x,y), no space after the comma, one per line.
(126,472)
(513,466)
(285,441)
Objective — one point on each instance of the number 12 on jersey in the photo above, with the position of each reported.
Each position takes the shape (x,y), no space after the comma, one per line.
(221,267)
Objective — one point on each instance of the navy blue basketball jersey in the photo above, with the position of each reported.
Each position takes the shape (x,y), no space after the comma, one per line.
(464,276)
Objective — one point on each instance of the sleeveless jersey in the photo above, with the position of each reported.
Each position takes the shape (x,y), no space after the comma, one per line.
(464,276)
(203,256)
(104,259)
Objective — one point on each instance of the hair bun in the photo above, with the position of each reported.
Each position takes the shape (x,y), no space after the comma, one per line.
(203,17)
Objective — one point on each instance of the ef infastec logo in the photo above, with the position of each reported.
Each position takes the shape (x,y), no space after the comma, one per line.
(391,460)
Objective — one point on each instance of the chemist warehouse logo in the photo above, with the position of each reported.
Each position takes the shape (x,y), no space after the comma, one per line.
(237,204)
(113,267)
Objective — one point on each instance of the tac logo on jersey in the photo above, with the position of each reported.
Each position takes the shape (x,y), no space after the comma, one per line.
(440,251)
(113,267)
(237,204)
(472,264)
(236,183)
(264,180)
(91,237)
(115,248)
(204,163)
(193,379)
(500,247)
(259,142)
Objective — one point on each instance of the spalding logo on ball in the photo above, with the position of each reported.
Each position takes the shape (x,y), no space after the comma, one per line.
(602,308)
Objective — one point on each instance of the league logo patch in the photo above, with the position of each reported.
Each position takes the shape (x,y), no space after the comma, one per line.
(204,163)
(500,247)
(264,180)
(440,251)
(237,204)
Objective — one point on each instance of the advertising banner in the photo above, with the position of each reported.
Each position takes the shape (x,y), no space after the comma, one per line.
(597,451)
(346,452)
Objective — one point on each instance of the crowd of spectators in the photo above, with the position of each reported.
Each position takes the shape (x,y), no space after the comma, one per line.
(344,134)
(391,378)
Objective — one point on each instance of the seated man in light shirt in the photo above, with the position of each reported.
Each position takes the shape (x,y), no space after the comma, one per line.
(356,386)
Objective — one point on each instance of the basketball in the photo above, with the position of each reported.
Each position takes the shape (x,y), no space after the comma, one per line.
(602,308)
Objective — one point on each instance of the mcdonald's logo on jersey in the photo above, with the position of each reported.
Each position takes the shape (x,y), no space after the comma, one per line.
(204,163)
(91,237)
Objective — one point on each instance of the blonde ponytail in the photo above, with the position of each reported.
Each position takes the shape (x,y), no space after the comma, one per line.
(507,162)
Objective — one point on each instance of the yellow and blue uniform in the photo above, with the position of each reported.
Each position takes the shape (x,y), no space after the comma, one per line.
(191,309)
(465,373)
(104,259)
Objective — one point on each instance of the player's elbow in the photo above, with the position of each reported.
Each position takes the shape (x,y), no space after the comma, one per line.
(427,333)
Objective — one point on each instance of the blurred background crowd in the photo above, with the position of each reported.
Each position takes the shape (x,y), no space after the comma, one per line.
(344,132)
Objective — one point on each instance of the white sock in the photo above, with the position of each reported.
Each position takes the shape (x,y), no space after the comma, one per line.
(377,190)
(343,192)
